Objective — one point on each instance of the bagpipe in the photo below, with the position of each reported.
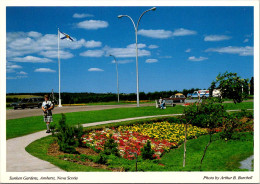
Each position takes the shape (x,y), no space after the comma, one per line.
(52,99)
(47,106)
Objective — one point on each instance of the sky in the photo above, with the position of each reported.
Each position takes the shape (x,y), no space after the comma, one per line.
(178,48)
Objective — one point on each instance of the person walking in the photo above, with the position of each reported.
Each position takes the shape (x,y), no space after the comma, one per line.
(47,106)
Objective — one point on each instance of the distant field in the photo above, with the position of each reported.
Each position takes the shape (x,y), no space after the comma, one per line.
(21,96)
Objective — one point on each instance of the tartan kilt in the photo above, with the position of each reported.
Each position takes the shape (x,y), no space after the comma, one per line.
(47,118)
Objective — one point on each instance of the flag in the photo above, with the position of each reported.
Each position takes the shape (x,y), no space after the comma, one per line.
(65,36)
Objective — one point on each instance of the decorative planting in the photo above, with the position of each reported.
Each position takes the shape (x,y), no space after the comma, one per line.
(130,139)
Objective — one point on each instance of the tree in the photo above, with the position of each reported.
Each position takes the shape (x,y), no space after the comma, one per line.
(231,86)
(68,136)
(205,115)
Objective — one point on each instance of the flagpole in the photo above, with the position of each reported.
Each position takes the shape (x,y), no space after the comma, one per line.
(59,65)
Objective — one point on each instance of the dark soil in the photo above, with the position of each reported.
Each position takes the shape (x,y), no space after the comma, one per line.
(55,152)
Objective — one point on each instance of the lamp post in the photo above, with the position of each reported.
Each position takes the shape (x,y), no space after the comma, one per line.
(117,77)
(59,65)
(136,30)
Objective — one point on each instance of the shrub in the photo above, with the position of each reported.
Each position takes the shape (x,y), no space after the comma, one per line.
(78,132)
(229,126)
(102,158)
(110,148)
(243,113)
(65,135)
(231,86)
(206,114)
(147,152)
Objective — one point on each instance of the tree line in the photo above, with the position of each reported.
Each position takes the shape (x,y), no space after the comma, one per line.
(85,97)
(230,85)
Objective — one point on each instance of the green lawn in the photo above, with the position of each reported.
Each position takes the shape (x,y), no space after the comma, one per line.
(39,149)
(21,96)
(220,156)
(115,103)
(24,126)
(243,105)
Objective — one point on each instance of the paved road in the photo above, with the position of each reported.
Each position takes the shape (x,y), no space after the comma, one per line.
(22,113)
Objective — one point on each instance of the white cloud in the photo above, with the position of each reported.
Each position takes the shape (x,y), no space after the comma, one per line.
(242,51)
(10,68)
(93,44)
(215,38)
(160,33)
(82,15)
(8,65)
(76,44)
(153,46)
(92,53)
(10,78)
(193,58)
(17,77)
(54,54)
(183,32)
(92,24)
(31,59)
(151,61)
(34,34)
(123,61)
(126,52)
(95,70)
(22,73)
(165,57)
(139,46)
(48,70)
(246,40)
(25,43)
(188,50)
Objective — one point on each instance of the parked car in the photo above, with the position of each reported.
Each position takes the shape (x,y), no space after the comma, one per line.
(29,103)
(200,93)
(178,97)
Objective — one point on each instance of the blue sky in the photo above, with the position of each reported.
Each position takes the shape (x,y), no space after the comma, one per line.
(179,47)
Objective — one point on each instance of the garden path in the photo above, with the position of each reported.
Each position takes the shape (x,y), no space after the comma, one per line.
(247,163)
(18,160)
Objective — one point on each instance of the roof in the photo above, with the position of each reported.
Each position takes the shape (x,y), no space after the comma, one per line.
(178,94)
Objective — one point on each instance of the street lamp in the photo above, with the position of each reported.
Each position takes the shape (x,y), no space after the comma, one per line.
(136,30)
(117,77)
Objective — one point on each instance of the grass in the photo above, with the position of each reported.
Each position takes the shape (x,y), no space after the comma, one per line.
(220,156)
(24,126)
(108,103)
(39,149)
(21,96)
(243,105)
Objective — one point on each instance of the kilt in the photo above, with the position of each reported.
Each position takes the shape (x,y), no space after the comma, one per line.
(47,118)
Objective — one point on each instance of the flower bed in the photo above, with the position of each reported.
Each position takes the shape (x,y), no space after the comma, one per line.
(162,135)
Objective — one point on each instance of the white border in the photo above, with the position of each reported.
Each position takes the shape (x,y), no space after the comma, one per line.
(129,177)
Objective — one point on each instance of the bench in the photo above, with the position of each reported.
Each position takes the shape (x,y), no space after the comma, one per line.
(167,102)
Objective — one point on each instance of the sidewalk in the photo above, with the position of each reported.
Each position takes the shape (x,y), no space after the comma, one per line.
(18,160)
